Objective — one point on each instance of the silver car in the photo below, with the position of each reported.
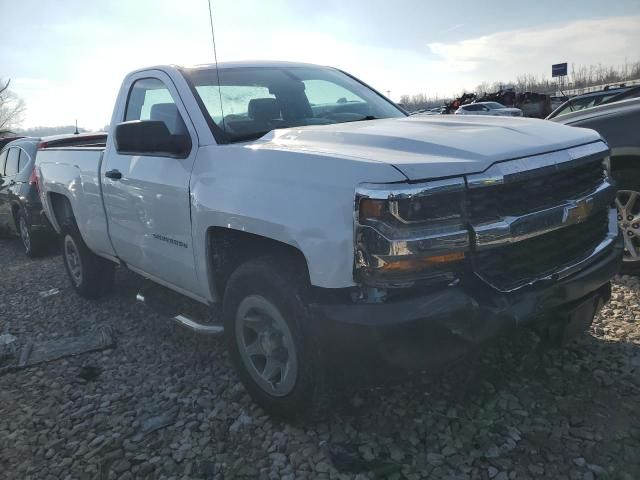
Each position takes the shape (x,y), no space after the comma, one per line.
(488,108)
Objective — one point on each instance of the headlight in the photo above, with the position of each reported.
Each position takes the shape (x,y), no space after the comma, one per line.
(407,233)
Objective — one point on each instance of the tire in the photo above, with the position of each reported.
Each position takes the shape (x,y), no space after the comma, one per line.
(628,181)
(32,242)
(90,275)
(263,308)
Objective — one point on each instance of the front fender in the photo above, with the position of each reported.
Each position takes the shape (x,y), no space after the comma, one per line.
(305,200)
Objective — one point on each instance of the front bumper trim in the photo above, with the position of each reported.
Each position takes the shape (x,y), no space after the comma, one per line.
(451,321)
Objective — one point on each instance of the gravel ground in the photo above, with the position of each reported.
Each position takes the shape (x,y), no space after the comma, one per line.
(165,403)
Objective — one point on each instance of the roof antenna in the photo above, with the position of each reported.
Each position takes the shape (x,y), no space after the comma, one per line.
(215,57)
(76,132)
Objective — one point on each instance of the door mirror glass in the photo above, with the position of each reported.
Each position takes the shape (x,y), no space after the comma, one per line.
(151,137)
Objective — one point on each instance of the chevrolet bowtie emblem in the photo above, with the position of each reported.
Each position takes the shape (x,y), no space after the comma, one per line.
(579,212)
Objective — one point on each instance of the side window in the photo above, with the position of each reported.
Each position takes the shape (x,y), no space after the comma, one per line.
(149,99)
(11,167)
(3,160)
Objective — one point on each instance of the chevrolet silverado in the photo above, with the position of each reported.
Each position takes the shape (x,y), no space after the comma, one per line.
(332,230)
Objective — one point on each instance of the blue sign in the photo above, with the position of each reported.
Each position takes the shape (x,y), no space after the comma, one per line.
(559,70)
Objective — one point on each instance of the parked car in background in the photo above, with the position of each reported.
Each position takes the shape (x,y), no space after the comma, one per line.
(5,140)
(609,94)
(557,100)
(434,111)
(20,207)
(488,108)
(619,125)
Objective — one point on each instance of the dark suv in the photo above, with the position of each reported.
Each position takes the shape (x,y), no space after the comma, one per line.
(5,140)
(20,207)
(610,94)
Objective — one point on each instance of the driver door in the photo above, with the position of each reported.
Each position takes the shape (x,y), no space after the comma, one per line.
(147,194)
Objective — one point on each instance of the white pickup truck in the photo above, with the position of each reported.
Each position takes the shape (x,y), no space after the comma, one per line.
(337,234)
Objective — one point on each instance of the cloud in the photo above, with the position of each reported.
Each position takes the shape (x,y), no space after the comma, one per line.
(504,55)
(453,28)
(72,68)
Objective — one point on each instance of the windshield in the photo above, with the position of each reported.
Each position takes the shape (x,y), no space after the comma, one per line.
(494,105)
(252,101)
(582,103)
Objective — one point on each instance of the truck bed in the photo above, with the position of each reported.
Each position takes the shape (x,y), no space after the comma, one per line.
(75,173)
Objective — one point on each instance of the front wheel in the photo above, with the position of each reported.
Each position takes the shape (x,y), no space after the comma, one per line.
(266,323)
(90,274)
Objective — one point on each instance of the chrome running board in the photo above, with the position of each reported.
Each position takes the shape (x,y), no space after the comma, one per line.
(189,323)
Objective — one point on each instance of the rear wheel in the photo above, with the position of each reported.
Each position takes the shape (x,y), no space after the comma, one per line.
(628,206)
(266,322)
(32,243)
(90,274)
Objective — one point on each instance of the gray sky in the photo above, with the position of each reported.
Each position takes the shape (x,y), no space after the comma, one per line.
(67,58)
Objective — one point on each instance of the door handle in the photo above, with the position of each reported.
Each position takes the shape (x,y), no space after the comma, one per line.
(113,174)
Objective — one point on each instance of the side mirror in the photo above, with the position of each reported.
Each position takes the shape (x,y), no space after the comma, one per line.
(150,137)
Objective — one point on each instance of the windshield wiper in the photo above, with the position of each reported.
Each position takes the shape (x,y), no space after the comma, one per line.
(367,117)
(247,137)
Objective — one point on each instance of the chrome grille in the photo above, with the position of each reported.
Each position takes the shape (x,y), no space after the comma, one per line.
(537,216)
(546,188)
(517,264)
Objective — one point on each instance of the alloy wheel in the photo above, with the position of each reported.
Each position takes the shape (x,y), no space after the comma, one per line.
(73,260)
(266,345)
(628,205)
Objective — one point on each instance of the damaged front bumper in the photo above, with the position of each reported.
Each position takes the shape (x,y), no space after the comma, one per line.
(434,329)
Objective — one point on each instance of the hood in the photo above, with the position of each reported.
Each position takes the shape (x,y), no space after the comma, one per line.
(431,146)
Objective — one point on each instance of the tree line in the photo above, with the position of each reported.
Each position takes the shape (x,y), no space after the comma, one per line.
(12,109)
(581,76)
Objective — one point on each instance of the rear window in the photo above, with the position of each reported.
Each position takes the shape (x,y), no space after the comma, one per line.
(11,168)
(23,160)
(3,159)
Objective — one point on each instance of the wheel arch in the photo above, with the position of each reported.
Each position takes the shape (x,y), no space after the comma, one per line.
(61,210)
(227,249)
(625,161)
(15,208)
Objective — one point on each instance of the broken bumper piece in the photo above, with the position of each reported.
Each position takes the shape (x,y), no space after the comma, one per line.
(432,330)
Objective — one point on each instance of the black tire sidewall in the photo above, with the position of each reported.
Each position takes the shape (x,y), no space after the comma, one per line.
(35,242)
(265,277)
(28,252)
(96,271)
